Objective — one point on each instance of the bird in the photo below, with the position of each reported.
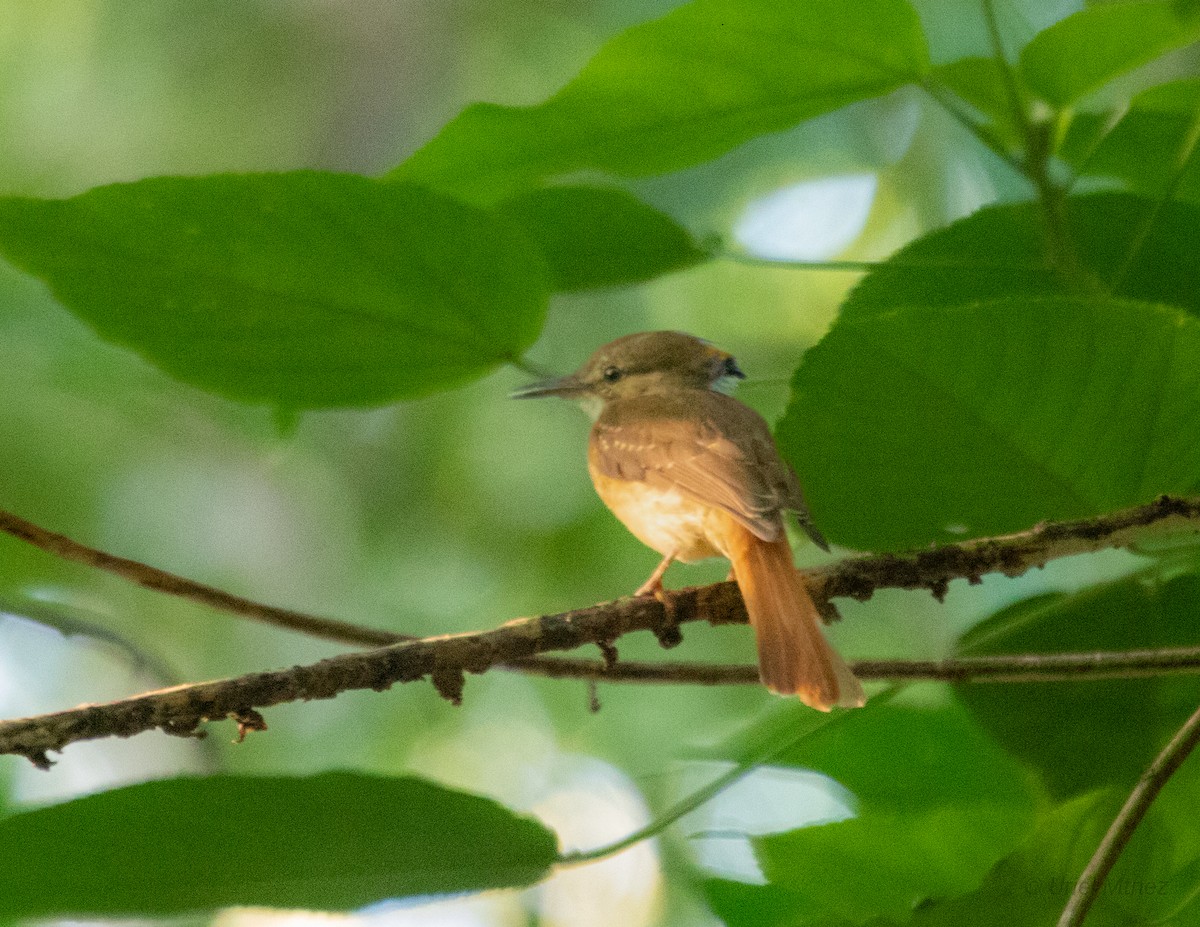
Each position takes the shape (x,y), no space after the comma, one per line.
(693,473)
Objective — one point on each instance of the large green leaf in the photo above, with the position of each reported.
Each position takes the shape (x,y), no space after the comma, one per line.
(1082,735)
(1152,148)
(739,904)
(680,90)
(936,805)
(1125,244)
(596,236)
(333,841)
(1033,885)
(931,424)
(301,289)
(1091,47)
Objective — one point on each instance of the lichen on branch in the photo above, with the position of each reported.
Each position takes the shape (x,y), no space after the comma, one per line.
(518,644)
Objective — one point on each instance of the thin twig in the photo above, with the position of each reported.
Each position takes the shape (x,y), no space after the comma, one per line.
(149,577)
(1016,99)
(706,793)
(1183,160)
(1127,820)
(1119,112)
(1052,667)
(949,101)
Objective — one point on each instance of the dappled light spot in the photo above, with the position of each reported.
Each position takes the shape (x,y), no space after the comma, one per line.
(809,221)
(767,800)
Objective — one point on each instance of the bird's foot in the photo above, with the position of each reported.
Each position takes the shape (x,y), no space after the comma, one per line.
(652,587)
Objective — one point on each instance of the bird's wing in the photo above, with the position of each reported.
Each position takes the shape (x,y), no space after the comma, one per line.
(708,446)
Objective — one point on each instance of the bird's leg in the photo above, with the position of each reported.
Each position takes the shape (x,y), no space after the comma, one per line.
(653,586)
(668,632)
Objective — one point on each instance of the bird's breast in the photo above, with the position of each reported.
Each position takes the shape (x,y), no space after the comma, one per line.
(662,518)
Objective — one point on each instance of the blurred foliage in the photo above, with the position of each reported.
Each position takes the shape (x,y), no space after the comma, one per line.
(1023,347)
(1130,614)
(928,823)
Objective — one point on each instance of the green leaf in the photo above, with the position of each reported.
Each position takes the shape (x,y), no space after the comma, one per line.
(1151,149)
(1082,735)
(937,423)
(303,289)
(334,841)
(598,237)
(937,804)
(1000,252)
(1033,885)
(1088,49)
(681,90)
(739,904)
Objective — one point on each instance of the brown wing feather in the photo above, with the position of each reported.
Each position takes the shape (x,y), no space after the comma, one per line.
(705,444)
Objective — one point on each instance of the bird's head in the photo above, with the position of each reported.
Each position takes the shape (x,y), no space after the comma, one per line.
(641,364)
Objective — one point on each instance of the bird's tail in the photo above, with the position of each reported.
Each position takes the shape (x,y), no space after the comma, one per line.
(793,656)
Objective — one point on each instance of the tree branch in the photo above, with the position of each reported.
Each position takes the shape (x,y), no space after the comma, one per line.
(1012,554)
(856,578)
(181,709)
(445,659)
(1127,820)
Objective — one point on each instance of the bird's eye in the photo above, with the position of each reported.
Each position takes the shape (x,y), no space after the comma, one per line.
(613,374)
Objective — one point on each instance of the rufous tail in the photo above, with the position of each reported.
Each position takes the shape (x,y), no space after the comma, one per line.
(793,656)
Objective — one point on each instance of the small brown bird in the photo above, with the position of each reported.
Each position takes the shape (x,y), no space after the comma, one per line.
(693,473)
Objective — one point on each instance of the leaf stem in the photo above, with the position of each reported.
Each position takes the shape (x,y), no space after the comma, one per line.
(1035,164)
(949,101)
(1092,879)
(661,823)
(527,366)
(1183,159)
(1016,99)
(1110,124)
(1060,247)
(1034,168)
(755,261)
(713,789)
(867,266)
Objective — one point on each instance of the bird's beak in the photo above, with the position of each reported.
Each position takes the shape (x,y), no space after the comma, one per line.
(731,369)
(568,387)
